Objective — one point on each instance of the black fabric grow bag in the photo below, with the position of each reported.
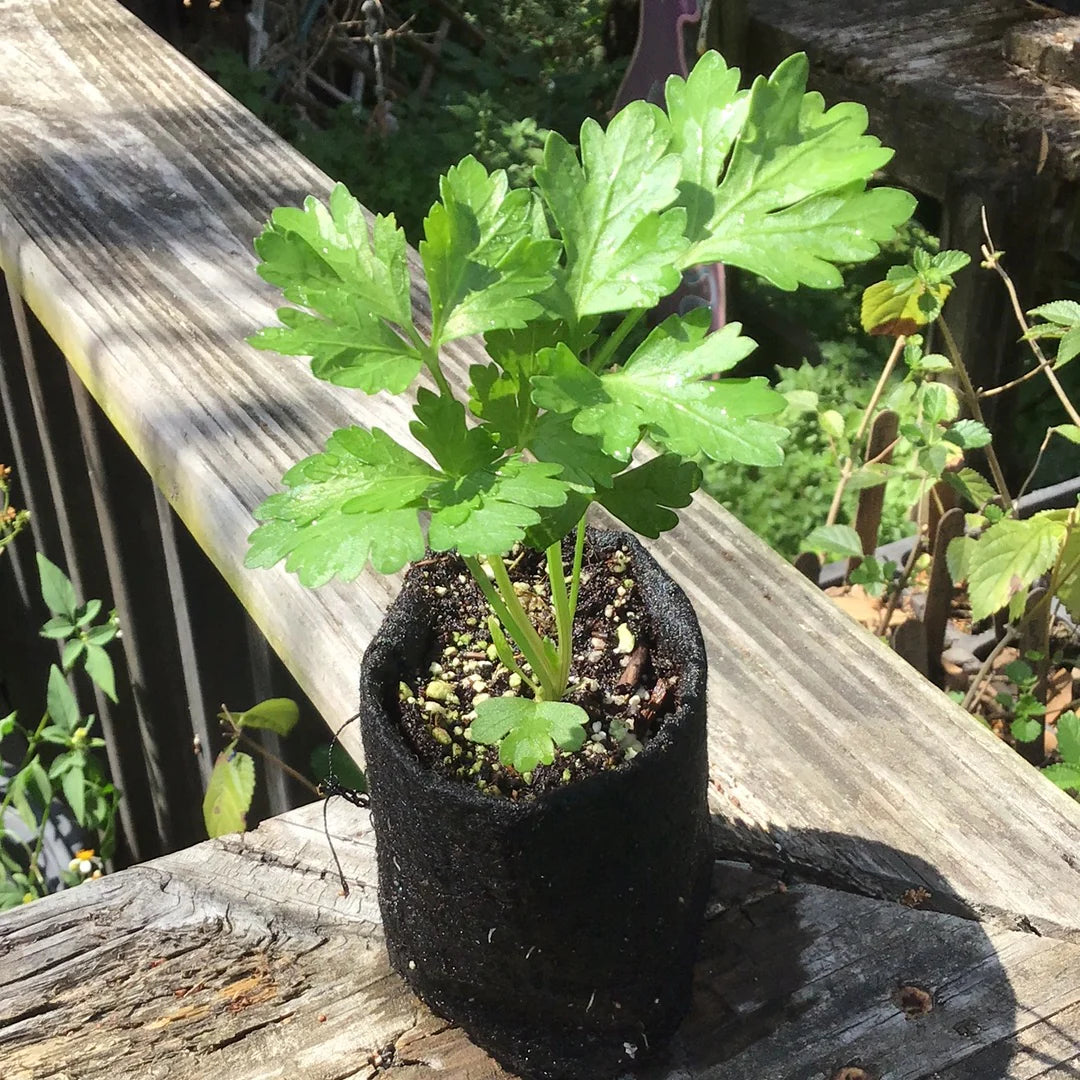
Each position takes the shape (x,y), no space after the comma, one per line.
(559,933)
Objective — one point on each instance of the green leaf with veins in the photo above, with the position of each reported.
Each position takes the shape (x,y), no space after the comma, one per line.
(645,498)
(487,254)
(317,252)
(528,731)
(968,434)
(586,470)
(356,501)
(660,387)
(1068,733)
(1066,776)
(793,201)
(57,590)
(501,393)
(440,426)
(354,284)
(1008,557)
(348,346)
(488,511)
(609,207)
(706,112)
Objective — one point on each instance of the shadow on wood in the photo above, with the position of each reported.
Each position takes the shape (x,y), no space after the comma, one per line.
(240,958)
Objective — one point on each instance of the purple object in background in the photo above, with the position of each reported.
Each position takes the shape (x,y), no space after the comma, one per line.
(661,51)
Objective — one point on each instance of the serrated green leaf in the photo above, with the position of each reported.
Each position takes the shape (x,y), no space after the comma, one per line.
(645,498)
(1068,735)
(355,285)
(1020,671)
(939,403)
(706,112)
(621,243)
(488,511)
(1068,347)
(1024,729)
(958,557)
(972,486)
(832,423)
(840,540)
(229,793)
(279,715)
(661,387)
(793,201)
(949,262)
(527,730)
(1065,776)
(486,253)
(348,346)
(440,426)
(1008,557)
(801,401)
(319,251)
(1060,312)
(56,589)
(73,785)
(61,702)
(34,780)
(357,501)
(968,434)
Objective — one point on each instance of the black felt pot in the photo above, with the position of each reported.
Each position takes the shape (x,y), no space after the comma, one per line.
(559,933)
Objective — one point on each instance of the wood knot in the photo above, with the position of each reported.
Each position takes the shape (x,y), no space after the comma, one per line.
(913,1001)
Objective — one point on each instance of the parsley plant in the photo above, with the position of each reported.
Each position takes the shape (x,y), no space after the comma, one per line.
(764,179)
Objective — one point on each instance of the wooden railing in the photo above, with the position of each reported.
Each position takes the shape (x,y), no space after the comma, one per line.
(130,189)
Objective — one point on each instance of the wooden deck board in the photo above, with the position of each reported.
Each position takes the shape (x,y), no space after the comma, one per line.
(934,76)
(130,188)
(239,959)
(132,246)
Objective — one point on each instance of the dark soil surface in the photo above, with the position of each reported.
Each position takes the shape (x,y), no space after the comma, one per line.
(625,686)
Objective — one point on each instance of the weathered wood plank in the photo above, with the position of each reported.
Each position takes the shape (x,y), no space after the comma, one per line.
(239,959)
(130,187)
(934,76)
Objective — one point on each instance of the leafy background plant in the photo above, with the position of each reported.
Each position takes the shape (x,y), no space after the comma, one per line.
(58,762)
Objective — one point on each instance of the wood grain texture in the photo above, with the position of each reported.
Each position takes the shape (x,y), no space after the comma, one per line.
(239,959)
(130,188)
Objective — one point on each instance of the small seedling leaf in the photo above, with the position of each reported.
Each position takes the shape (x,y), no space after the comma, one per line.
(229,793)
(1025,729)
(279,715)
(527,730)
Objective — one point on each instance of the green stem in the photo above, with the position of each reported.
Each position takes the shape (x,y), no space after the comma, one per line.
(575,574)
(507,608)
(603,357)
(564,616)
(972,400)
